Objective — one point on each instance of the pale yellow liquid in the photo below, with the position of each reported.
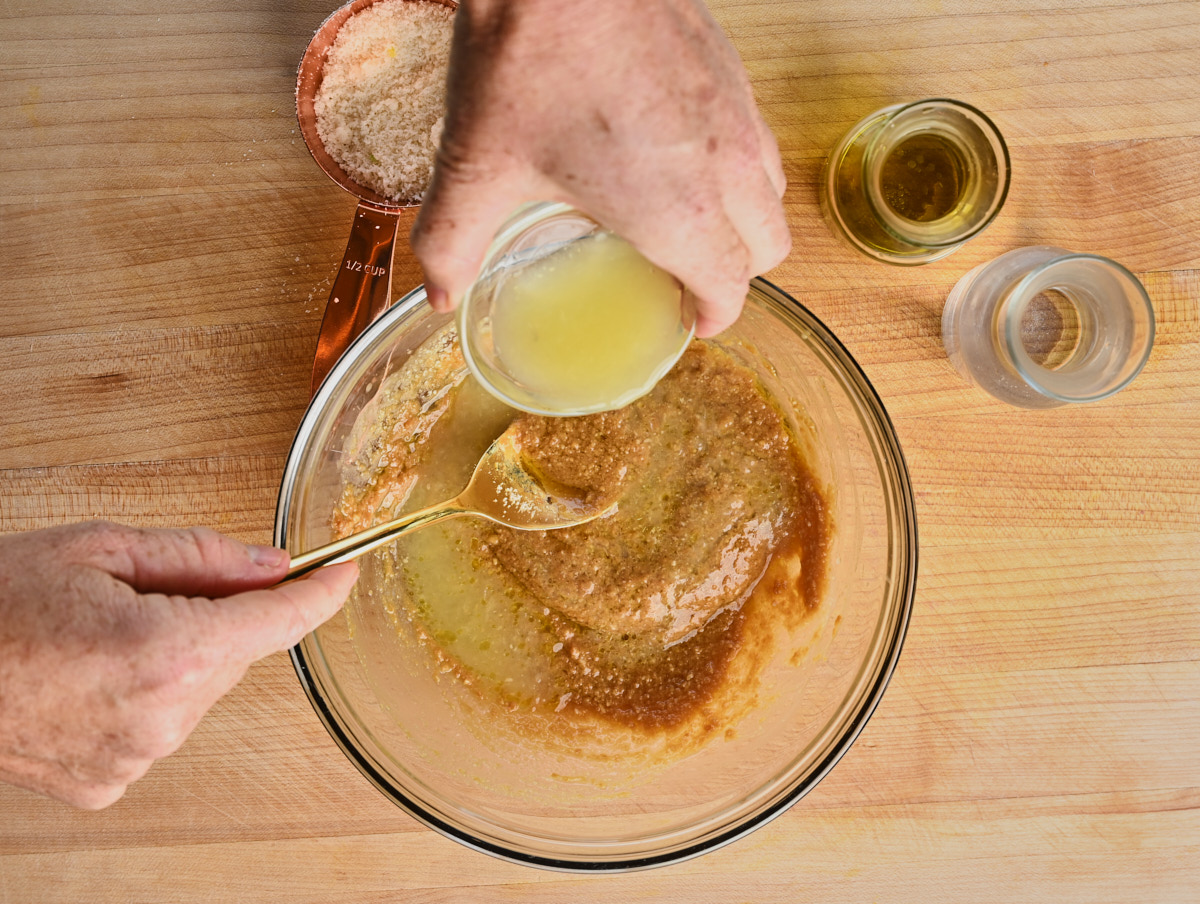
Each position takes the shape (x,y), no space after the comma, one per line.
(469,611)
(589,327)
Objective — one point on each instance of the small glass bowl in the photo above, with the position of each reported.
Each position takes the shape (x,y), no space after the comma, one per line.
(531,234)
(860,188)
(433,748)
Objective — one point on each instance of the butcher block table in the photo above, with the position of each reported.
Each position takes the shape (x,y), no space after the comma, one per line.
(167,247)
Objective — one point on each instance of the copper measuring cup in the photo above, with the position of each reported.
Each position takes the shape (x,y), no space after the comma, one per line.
(363,285)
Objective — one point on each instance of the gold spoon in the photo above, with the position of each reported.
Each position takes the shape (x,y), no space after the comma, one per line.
(505,488)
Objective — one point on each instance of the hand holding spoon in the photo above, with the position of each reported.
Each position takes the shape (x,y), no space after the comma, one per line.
(505,488)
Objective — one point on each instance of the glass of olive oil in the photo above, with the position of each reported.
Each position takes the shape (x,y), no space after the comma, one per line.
(911,182)
(567,318)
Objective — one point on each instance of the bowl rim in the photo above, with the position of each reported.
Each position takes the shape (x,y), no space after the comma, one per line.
(907,577)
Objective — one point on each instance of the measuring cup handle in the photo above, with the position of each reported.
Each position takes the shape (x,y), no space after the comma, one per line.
(362,288)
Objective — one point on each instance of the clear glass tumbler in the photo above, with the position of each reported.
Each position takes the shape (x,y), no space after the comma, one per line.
(1040,327)
(912,182)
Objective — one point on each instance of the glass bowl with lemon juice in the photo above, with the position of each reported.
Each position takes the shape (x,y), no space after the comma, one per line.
(567,318)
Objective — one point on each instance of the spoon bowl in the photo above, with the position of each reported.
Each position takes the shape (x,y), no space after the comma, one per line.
(506,487)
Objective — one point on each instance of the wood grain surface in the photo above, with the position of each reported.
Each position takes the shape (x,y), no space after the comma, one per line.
(167,245)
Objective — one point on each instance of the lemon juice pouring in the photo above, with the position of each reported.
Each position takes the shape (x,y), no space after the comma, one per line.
(567,318)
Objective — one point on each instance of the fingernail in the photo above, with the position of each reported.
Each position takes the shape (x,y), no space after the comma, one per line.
(267,556)
(439,298)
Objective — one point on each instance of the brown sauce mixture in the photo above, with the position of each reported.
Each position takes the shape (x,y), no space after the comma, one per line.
(707,484)
(720,530)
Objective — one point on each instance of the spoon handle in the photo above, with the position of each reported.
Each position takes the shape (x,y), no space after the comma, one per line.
(355,545)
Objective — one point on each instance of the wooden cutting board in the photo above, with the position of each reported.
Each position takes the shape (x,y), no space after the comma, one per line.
(167,248)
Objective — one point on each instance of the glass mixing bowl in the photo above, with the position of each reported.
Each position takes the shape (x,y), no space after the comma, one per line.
(434,748)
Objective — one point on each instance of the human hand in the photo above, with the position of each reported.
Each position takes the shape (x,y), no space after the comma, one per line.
(638,112)
(115,641)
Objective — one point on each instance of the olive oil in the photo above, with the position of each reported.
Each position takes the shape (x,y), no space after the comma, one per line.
(910,183)
(923,178)
(590,326)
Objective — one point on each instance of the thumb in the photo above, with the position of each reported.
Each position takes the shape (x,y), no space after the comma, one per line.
(260,622)
(459,216)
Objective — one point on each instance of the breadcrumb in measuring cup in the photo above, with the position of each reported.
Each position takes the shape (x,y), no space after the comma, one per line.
(381,103)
